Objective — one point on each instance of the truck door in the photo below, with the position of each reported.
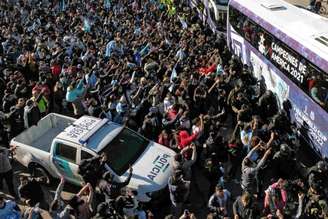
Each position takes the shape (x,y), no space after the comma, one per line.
(64,158)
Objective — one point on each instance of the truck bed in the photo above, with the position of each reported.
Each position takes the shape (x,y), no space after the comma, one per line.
(41,135)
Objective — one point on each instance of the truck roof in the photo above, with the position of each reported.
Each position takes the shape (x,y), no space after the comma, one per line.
(93,133)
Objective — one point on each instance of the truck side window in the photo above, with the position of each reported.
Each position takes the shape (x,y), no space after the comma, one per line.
(65,152)
(85,155)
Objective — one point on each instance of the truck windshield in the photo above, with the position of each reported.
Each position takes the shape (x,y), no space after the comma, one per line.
(124,150)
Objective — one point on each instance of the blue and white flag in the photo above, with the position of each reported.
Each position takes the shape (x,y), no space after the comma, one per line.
(86,25)
(137,58)
(145,50)
(173,75)
(183,23)
(62,5)
(107,4)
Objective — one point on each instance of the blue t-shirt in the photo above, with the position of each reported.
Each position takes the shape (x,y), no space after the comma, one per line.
(8,211)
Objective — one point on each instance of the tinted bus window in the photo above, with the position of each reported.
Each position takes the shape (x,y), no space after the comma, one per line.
(312,80)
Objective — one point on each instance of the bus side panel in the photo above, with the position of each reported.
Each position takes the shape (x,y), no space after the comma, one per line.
(238,46)
(310,118)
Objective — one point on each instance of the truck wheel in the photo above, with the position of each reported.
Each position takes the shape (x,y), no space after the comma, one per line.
(40,173)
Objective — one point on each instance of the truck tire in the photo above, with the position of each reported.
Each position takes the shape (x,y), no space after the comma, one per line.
(41,173)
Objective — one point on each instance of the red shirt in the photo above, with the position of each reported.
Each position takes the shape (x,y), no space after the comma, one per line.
(185,139)
(172,113)
(207,70)
(56,70)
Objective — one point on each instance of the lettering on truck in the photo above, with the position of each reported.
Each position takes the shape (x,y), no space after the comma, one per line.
(160,164)
(81,128)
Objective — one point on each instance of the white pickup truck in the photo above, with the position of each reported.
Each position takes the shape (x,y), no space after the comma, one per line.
(57,144)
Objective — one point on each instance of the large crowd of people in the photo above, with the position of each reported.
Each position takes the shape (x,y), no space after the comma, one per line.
(159,71)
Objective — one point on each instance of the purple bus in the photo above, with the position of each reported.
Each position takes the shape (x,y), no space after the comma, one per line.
(288,48)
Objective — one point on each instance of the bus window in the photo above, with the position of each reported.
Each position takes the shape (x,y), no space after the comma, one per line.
(236,19)
(317,86)
(313,81)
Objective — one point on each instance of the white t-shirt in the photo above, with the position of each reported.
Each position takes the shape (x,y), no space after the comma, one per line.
(167,104)
(196,130)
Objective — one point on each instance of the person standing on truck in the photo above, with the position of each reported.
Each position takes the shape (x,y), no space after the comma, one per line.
(6,171)
(92,169)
